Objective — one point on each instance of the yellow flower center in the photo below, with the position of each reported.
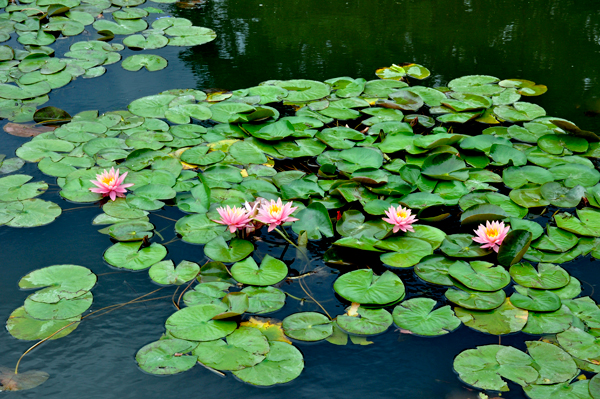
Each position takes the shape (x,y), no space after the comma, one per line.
(274,209)
(492,232)
(108,180)
(401,214)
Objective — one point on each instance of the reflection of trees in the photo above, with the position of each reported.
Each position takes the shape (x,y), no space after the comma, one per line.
(553,42)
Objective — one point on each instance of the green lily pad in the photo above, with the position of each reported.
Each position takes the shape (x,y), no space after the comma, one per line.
(15,187)
(586,310)
(541,323)
(207,293)
(486,366)
(366,322)
(282,364)
(131,230)
(462,246)
(62,282)
(165,272)
(505,319)
(417,316)
(580,344)
(121,209)
(574,174)
(557,240)
(554,365)
(477,300)
(22,326)
(189,35)
(407,251)
(217,249)
(121,26)
(264,299)
(364,287)
(514,246)
(434,269)
(535,300)
(445,167)
(150,61)
(307,326)
(564,390)
(128,255)
(195,323)
(546,277)
(198,229)
(61,310)
(315,221)
(480,276)
(271,271)
(245,347)
(166,357)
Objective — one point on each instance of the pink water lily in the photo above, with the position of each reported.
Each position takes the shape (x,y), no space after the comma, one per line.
(110,184)
(275,213)
(252,211)
(491,235)
(235,218)
(401,218)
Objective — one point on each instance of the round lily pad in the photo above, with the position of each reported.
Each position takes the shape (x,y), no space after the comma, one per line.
(22,326)
(367,322)
(535,300)
(307,326)
(364,287)
(477,300)
(165,272)
(264,299)
(271,271)
(407,251)
(34,212)
(245,347)
(167,356)
(128,255)
(62,282)
(207,292)
(61,310)
(546,277)
(549,322)
(150,61)
(195,323)
(417,316)
(505,319)
(486,366)
(131,231)
(462,246)
(217,249)
(434,269)
(198,229)
(480,276)
(580,344)
(554,365)
(121,209)
(283,363)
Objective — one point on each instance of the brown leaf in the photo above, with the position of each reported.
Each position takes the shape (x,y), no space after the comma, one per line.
(26,130)
(10,381)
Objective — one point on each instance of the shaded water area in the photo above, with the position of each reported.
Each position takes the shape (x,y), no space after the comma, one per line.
(556,43)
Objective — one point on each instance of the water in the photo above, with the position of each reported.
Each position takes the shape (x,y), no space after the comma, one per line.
(553,42)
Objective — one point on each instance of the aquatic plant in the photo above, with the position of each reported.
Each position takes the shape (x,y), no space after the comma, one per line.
(235,218)
(491,234)
(401,218)
(110,184)
(275,213)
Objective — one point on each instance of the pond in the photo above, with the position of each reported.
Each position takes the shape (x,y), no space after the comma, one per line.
(552,43)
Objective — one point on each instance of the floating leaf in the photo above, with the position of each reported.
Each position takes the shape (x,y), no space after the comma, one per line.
(417,316)
(195,323)
(315,220)
(307,326)
(366,321)
(364,287)
(61,310)
(480,276)
(462,246)
(217,249)
(61,282)
(128,255)
(283,363)
(477,300)
(505,319)
(150,61)
(166,357)
(22,381)
(271,271)
(22,326)
(165,273)
(546,277)
(264,299)
(514,246)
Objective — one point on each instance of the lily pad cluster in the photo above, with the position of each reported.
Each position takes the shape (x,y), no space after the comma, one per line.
(458,156)
(28,74)
(55,310)
(18,205)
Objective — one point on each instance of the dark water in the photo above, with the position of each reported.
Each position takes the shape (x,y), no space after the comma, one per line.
(553,42)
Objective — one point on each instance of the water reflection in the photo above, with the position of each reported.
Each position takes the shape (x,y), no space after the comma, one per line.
(551,42)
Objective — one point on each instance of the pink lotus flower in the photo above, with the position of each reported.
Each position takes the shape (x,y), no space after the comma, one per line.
(252,210)
(491,235)
(110,184)
(275,213)
(235,218)
(401,218)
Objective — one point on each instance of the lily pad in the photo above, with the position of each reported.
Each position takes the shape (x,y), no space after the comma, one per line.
(271,271)
(366,321)
(535,300)
(131,230)
(434,269)
(477,300)
(580,344)
(165,273)
(315,221)
(554,365)
(22,326)
(505,319)
(364,287)
(282,364)
(128,255)
(480,276)
(61,282)
(462,246)
(217,249)
(546,277)
(407,251)
(195,323)
(264,299)
(307,326)
(150,61)
(541,323)
(417,316)
(61,310)
(245,347)
(166,357)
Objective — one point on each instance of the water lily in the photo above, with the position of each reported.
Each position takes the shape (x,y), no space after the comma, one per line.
(252,210)
(110,184)
(491,235)
(401,218)
(275,213)
(235,218)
